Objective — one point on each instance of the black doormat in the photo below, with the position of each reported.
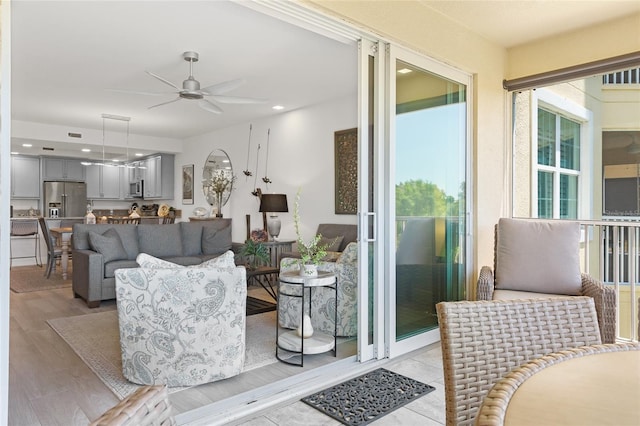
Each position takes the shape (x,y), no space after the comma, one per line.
(366,398)
(259,306)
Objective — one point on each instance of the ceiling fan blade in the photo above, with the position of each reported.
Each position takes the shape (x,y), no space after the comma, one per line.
(237,100)
(224,87)
(209,106)
(137,92)
(165,103)
(164,80)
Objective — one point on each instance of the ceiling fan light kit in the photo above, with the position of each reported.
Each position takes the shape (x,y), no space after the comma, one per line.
(191,90)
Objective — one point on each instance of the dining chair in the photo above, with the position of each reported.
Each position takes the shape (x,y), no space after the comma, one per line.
(147,406)
(540,259)
(25,229)
(482,341)
(54,252)
(121,220)
(168,220)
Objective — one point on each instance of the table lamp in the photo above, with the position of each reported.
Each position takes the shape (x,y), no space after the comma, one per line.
(273,203)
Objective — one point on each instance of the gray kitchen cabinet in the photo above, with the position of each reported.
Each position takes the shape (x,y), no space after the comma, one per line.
(103,182)
(159,177)
(25,177)
(54,168)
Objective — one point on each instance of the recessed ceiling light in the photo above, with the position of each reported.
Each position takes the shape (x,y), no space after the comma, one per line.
(85,163)
(115,160)
(139,154)
(278,107)
(86,150)
(27,145)
(404,71)
(14,153)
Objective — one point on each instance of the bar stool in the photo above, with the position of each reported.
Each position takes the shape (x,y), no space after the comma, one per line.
(24,229)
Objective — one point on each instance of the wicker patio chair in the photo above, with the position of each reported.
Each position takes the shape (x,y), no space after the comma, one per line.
(147,406)
(483,341)
(540,259)
(494,406)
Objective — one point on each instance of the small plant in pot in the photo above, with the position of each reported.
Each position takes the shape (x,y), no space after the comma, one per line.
(255,253)
(312,252)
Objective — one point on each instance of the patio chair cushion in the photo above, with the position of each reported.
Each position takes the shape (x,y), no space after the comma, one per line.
(108,244)
(539,257)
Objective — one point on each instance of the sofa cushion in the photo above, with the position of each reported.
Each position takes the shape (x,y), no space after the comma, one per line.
(333,244)
(540,257)
(216,240)
(110,268)
(109,245)
(160,242)
(191,238)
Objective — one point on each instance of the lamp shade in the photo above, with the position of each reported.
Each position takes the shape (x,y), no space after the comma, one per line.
(274,203)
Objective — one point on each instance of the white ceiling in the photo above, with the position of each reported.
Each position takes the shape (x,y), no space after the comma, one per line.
(66,55)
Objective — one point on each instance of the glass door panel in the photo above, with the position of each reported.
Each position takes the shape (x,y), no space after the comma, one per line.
(428,173)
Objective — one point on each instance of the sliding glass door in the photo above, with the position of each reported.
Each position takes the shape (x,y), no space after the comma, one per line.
(427,187)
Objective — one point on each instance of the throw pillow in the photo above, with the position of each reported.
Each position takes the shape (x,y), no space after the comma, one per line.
(216,241)
(539,257)
(108,244)
(333,244)
(147,261)
(223,261)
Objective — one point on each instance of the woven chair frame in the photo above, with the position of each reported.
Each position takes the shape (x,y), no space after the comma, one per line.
(483,341)
(603,296)
(494,407)
(147,406)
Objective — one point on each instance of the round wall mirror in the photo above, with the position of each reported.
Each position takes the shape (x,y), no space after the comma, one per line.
(217,178)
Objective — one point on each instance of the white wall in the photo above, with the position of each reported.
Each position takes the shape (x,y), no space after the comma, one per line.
(301,154)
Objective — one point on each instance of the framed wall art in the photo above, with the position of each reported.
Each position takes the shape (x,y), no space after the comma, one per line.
(187,184)
(346,169)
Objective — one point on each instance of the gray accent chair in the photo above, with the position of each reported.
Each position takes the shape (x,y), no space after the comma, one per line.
(184,243)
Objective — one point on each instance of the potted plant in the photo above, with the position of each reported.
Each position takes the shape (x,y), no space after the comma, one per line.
(255,253)
(312,252)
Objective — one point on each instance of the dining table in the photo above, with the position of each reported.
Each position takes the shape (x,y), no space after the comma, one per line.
(63,237)
(598,385)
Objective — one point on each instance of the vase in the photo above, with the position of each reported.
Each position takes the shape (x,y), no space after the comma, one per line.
(309,270)
(219,204)
(308,328)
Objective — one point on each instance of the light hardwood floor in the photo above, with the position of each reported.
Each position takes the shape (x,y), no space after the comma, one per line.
(50,385)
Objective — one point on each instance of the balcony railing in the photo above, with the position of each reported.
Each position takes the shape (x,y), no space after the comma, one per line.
(611,253)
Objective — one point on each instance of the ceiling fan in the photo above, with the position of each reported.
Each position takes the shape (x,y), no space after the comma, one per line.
(207,97)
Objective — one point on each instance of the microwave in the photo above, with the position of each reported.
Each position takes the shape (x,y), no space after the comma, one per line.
(136,188)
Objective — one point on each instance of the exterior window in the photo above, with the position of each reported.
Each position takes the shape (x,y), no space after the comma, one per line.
(558,165)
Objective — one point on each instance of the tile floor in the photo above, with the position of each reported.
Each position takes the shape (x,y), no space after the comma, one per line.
(424,365)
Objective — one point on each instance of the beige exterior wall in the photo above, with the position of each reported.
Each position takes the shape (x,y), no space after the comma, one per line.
(613,38)
(415,26)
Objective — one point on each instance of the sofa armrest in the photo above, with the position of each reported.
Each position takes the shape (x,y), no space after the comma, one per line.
(486,284)
(604,298)
(88,273)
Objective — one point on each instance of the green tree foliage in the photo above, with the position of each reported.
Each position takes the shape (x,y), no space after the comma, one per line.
(420,198)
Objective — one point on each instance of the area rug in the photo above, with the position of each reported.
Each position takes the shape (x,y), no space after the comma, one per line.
(96,340)
(24,279)
(366,398)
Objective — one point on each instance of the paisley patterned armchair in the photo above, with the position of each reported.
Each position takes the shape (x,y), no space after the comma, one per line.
(182,326)
(323,301)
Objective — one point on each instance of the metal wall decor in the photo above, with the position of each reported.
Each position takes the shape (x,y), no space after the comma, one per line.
(346,170)
(187,184)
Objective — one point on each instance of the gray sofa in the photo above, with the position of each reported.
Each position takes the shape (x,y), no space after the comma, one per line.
(98,250)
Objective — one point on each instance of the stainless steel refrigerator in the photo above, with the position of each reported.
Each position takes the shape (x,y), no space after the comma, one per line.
(65,199)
